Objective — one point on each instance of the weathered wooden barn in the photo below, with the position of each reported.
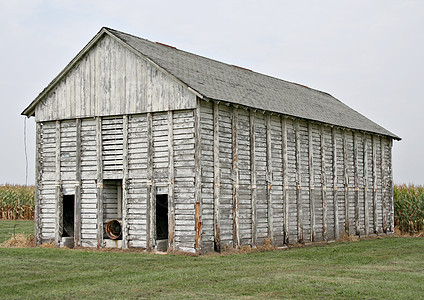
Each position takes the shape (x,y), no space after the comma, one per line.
(140,144)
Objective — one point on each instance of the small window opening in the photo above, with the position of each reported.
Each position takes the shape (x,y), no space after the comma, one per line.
(161,217)
(112,209)
(68,215)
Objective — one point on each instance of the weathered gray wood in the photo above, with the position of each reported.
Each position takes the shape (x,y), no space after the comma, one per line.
(383,184)
(58,193)
(374,184)
(38,185)
(298,185)
(171,177)
(311,182)
(99,195)
(235,177)
(216,178)
(125,179)
(253,191)
(323,185)
(366,206)
(111,69)
(198,177)
(151,216)
(285,181)
(335,188)
(77,212)
(356,178)
(346,183)
(269,178)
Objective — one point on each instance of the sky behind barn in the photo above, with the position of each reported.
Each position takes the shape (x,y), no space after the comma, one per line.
(368,54)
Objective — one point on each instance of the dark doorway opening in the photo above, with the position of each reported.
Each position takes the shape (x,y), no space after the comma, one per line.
(68,215)
(161,217)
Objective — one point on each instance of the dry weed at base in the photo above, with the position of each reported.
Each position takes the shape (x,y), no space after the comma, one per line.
(20,240)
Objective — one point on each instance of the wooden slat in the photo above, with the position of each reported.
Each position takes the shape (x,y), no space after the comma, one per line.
(99,194)
(335,187)
(198,177)
(269,177)
(356,183)
(125,179)
(235,177)
(253,174)
(374,184)
(150,230)
(171,200)
(58,189)
(366,206)
(216,178)
(323,186)
(311,182)
(38,185)
(77,212)
(383,184)
(346,182)
(298,184)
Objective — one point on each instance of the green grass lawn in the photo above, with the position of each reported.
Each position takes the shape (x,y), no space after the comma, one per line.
(389,268)
(7,228)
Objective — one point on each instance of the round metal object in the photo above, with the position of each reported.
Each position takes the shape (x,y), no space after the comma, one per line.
(114,229)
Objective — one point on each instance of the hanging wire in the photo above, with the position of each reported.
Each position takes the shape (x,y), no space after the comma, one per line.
(26,153)
(26,179)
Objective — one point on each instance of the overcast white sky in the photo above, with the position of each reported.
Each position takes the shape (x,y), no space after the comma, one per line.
(368,54)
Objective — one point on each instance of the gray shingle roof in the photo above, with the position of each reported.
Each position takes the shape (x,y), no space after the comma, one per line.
(219,81)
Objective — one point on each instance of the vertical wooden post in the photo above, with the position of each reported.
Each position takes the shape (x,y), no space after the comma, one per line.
(335,200)
(235,178)
(323,186)
(390,175)
(150,218)
(38,185)
(285,181)
(298,185)
(383,184)
(171,200)
(216,177)
(346,183)
(311,182)
(374,184)
(356,174)
(99,194)
(58,190)
(125,179)
(269,178)
(252,114)
(366,208)
(77,212)
(198,177)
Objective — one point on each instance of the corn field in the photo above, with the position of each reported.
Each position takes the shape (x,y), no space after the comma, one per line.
(16,202)
(409,208)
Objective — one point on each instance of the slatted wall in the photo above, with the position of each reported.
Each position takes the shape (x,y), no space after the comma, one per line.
(261,176)
(311,181)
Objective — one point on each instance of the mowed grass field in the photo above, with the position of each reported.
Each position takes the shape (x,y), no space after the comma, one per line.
(386,268)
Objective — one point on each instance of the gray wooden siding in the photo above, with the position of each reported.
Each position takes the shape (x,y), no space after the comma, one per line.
(330,175)
(183,133)
(110,80)
(330,172)
(58,141)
